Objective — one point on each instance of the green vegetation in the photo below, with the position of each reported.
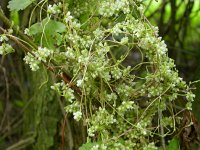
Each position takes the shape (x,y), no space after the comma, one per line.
(97,75)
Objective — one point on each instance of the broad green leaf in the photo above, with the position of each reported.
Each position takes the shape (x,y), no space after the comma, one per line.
(173,144)
(19,4)
(48,32)
(47,26)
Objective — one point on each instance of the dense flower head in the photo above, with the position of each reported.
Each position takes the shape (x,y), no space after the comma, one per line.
(54,9)
(37,57)
(6,49)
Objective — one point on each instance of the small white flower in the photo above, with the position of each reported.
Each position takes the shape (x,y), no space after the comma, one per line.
(27,31)
(3,38)
(79,82)
(6,49)
(77,115)
(124,40)
(68,17)
(54,9)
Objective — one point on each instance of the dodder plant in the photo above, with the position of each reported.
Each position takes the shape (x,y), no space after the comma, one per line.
(89,44)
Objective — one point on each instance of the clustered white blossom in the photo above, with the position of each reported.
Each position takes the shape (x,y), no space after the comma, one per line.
(37,57)
(150,146)
(54,9)
(64,90)
(6,49)
(110,8)
(27,31)
(32,61)
(69,19)
(3,38)
(100,120)
(73,106)
(99,147)
(75,109)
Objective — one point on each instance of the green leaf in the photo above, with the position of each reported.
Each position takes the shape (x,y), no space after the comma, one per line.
(19,4)
(48,31)
(173,144)
(48,27)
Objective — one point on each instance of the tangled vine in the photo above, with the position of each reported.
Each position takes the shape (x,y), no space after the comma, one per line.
(123,105)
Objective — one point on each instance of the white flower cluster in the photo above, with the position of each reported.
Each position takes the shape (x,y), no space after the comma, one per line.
(136,27)
(69,19)
(190,97)
(152,91)
(124,90)
(86,42)
(84,57)
(74,38)
(100,121)
(75,109)
(77,115)
(117,29)
(154,43)
(83,42)
(142,125)
(110,8)
(99,147)
(103,49)
(124,40)
(32,61)
(111,97)
(98,33)
(79,82)
(64,90)
(70,54)
(73,106)
(150,146)
(40,55)
(116,73)
(6,49)
(125,106)
(54,9)
(3,38)
(27,31)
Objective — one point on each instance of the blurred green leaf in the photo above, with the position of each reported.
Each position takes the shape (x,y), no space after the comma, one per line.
(173,144)
(19,4)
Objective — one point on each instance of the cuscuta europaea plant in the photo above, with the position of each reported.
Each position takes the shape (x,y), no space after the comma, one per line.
(109,90)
